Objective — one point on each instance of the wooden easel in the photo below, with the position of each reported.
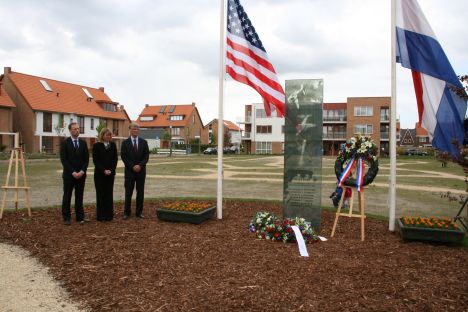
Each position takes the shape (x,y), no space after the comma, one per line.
(17,157)
(350,214)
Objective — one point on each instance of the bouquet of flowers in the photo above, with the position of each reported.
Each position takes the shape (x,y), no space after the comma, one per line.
(359,147)
(266,225)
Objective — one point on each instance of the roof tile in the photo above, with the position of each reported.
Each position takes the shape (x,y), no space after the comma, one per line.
(64,98)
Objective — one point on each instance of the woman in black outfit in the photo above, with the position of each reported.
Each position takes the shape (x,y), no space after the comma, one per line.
(105,162)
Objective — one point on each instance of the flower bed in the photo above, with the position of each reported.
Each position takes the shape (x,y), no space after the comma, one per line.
(186,211)
(266,225)
(430,229)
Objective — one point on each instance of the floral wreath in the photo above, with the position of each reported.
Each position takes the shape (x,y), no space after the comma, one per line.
(357,151)
(266,225)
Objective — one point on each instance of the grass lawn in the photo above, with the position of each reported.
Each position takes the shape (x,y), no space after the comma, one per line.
(420,181)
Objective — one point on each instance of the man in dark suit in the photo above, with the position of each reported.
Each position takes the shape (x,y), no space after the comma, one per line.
(135,154)
(74,156)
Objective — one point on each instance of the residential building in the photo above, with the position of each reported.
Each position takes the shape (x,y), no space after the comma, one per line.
(368,116)
(6,119)
(262,135)
(183,122)
(234,132)
(417,137)
(45,107)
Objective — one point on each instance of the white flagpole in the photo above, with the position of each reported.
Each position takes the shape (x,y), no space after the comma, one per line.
(393,136)
(222,39)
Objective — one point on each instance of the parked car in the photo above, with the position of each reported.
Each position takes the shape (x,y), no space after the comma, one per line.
(211,151)
(414,151)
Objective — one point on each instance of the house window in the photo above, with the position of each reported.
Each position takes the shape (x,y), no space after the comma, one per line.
(363,111)
(61,120)
(264,129)
(92,123)
(175,131)
(363,129)
(384,114)
(260,113)
(176,117)
(80,121)
(263,147)
(115,127)
(45,85)
(146,118)
(47,122)
(109,107)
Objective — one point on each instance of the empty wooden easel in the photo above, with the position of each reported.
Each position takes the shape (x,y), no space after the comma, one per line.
(350,214)
(16,159)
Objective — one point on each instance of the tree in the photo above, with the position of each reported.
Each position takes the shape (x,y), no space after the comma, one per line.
(227,137)
(101,126)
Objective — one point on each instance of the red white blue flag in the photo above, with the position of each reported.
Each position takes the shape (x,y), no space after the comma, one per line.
(247,60)
(441,111)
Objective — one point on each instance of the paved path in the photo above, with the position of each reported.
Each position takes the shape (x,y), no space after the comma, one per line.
(27,286)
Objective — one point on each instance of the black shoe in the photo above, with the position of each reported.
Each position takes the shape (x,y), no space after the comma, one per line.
(140,216)
(125,217)
(67,222)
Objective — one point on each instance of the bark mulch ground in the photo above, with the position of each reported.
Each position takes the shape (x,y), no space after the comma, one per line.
(152,265)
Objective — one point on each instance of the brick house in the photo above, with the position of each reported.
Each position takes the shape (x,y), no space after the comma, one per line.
(229,127)
(416,137)
(182,121)
(45,107)
(6,118)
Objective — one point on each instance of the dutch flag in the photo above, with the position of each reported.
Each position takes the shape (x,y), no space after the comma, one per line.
(441,111)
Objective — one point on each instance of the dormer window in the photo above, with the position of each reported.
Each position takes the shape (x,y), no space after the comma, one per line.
(146,118)
(88,94)
(176,117)
(45,85)
(109,107)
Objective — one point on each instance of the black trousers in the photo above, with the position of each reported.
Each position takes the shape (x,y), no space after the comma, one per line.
(68,185)
(104,197)
(130,182)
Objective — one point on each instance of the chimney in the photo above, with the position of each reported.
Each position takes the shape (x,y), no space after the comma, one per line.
(7,70)
(101,88)
(193,103)
(146,105)
(121,107)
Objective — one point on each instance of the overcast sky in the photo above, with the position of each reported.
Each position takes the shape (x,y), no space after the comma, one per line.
(167,52)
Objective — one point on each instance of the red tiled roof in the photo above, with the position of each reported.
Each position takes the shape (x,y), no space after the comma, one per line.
(64,97)
(228,124)
(421,131)
(231,126)
(161,119)
(5,100)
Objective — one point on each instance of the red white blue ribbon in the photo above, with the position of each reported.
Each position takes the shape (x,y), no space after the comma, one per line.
(360,175)
(359,172)
(347,171)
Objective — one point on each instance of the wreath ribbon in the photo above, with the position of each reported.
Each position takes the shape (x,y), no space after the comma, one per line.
(347,172)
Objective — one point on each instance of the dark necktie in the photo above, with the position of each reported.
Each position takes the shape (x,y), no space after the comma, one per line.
(75,142)
(135,146)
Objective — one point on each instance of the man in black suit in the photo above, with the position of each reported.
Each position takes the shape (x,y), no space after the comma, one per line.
(135,154)
(74,156)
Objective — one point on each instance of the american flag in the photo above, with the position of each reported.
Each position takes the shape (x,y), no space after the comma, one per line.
(247,60)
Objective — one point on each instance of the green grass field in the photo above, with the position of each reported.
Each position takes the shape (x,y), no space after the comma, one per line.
(420,181)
